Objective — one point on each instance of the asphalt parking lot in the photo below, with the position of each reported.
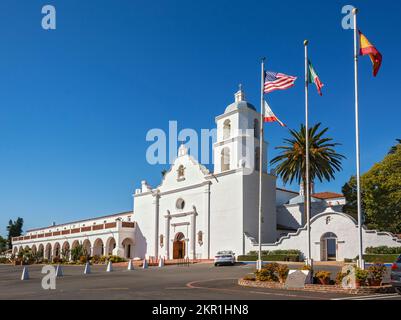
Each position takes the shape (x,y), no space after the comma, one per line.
(196,282)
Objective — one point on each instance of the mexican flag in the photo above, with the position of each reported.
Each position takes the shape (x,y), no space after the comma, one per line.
(314,78)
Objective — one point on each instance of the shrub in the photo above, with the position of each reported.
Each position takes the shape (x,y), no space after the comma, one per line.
(361,275)
(57,260)
(272,257)
(95,259)
(376,258)
(268,273)
(323,276)
(377,271)
(282,272)
(383,250)
(77,252)
(249,278)
(339,278)
(306,268)
(4,261)
(115,259)
(83,259)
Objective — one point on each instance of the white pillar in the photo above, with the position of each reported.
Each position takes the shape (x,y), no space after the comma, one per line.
(167,236)
(193,234)
(156,239)
(206,232)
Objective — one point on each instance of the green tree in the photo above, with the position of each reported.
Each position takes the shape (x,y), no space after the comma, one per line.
(324,160)
(14,230)
(3,244)
(381,194)
(394,148)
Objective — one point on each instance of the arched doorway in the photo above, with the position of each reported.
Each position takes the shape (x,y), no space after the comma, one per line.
(128,245)
(65,251)
(48,251)
(179,246)
(328,247)
(110,245)
(87,247)
(56,250)
(41,251)
(98,247)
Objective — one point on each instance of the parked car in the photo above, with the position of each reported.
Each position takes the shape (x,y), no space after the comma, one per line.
(224,258)
(396,275)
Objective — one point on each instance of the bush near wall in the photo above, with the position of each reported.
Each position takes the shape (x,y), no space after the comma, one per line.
(383,250)
(272,257)
(384,258)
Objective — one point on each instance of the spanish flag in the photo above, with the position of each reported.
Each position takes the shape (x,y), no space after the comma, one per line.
(366,48)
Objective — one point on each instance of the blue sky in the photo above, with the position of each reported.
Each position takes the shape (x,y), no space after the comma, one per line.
(76,102)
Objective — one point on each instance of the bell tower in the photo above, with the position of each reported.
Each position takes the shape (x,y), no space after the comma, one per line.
(237,144)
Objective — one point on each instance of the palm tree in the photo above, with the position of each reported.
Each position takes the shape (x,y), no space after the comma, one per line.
(324,161)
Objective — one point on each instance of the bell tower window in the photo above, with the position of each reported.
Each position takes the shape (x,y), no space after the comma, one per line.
(256,128)
(225,159)
(257,158)
(226,129)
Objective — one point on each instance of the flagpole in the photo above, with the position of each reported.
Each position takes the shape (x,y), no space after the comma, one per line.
(259,263)
(358,170)
(307,176)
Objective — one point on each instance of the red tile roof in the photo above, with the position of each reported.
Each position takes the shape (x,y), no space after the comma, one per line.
(327,195)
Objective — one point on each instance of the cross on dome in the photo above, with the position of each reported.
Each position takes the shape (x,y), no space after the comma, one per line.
(239,95)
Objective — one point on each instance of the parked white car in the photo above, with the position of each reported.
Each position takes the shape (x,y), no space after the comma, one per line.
(224,258)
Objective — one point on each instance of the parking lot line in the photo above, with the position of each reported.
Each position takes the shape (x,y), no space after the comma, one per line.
(371,297)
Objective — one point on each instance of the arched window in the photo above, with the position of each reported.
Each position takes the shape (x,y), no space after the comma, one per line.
(200,238)
(256,128)
(180,172)
(161,241)
(225,159)
(257,158)
(227,129)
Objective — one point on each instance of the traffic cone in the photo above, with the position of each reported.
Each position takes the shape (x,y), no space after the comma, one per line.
(109,267)
(87,268)
(25,274)
(130,265)
(161,262)
(145,264)
(59,271)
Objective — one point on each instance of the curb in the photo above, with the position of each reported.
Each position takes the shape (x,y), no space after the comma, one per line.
(316,288)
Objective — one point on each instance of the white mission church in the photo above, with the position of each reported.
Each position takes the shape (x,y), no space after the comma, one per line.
(195,212)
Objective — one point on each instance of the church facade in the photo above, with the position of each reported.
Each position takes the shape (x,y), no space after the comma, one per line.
(194,212)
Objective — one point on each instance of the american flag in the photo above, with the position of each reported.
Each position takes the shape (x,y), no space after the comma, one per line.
(278,81)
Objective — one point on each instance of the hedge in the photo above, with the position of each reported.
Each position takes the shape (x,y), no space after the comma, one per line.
(277,252)
(272,257)
(385,258)
(383,250)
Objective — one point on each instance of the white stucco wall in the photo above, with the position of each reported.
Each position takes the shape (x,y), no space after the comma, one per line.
(342,225)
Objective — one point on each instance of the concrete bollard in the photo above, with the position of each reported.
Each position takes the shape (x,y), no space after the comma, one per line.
(109,267)
(161,262)
(130,265)
(25,274)
(145,264)
(59,271)
(87,268)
